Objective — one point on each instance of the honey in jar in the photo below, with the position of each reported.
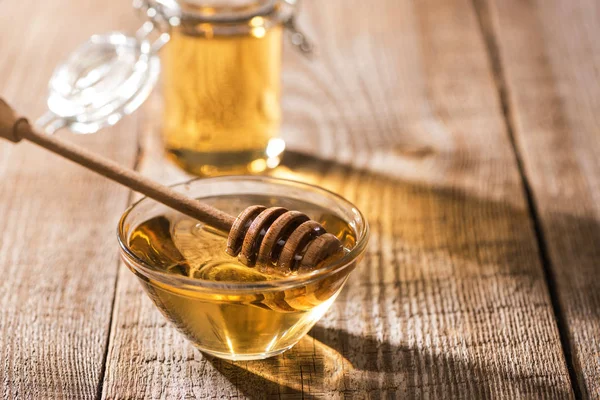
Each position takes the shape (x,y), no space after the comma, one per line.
(222,85)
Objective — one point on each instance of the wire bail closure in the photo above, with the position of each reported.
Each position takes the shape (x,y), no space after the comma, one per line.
(297,37)
(156,21)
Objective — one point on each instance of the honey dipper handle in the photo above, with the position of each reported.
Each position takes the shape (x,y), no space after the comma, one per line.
(15,129)
(8,119)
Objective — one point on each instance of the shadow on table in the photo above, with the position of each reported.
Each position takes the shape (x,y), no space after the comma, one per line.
(504,229)
(334,362)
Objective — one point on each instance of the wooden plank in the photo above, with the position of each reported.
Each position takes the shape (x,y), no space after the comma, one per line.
(451,300)
(550,58)
(58,253)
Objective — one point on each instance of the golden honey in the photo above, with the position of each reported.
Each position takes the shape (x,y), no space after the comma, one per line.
(222,98)
(237,324)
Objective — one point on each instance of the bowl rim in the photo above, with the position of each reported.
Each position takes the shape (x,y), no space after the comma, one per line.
(182,282)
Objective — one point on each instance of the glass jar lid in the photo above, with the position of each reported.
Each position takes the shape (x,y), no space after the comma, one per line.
(106,78)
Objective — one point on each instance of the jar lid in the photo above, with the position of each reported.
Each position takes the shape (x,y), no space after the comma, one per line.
(106,78)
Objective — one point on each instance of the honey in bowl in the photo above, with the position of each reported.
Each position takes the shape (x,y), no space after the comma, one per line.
(222,306)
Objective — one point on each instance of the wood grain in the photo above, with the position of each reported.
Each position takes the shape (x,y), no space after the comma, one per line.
(451,300)
(20,129)
(58,257)
(550,57)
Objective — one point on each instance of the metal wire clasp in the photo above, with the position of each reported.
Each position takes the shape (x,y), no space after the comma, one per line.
(156,22)
(297,37)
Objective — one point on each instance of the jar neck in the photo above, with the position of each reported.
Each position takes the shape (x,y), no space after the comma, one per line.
(228,11)
(199,18)
(169,16)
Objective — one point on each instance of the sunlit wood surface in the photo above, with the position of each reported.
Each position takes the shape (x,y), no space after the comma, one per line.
(468,133)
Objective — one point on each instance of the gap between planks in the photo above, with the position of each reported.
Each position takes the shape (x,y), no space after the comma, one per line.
(489,38)
(139,155)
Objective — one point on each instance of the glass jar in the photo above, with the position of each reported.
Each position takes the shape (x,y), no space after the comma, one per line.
(221,63)
(222,83)
(241,319)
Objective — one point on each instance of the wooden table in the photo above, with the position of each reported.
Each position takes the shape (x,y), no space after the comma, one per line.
(469,133)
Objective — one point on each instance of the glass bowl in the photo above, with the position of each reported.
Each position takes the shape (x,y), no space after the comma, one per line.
(246,320)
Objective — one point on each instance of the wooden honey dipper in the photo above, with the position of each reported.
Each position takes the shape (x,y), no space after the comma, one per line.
(275,237)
